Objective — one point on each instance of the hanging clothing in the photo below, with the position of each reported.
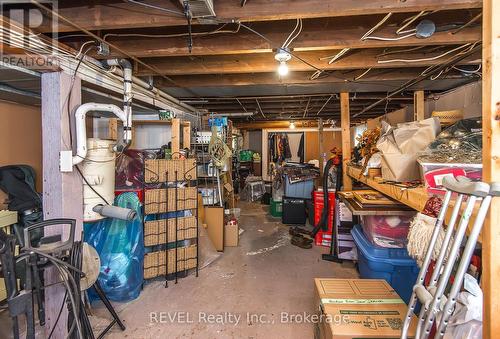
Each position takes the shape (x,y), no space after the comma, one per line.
(300,152)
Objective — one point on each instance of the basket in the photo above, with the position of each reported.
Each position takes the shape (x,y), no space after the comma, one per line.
(447,118)
(155,230)
(157,200)
(155,263)
(162,170)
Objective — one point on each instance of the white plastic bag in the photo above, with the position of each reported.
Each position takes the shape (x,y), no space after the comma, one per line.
(466,321)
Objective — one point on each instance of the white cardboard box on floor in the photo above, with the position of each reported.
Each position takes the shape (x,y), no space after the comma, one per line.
(358,308)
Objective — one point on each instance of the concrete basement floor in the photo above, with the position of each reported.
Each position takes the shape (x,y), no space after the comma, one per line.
(264,276)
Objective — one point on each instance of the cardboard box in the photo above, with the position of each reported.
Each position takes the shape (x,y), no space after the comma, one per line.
(231,235)
(359,308)
(214,218)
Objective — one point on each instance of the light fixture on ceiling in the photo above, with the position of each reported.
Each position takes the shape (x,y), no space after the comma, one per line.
(282,56)
(292,125)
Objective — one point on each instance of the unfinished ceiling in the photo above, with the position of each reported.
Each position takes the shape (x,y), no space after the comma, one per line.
(372,49)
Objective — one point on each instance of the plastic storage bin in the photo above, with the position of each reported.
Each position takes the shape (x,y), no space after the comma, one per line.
(387,231)
(392,264)
(301,189)
(276,208)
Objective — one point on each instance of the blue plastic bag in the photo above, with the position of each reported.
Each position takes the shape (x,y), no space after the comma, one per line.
(120,245)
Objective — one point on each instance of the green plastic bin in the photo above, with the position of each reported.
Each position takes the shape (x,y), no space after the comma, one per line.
(276,208)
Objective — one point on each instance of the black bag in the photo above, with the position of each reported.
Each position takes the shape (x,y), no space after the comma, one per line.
(18,181)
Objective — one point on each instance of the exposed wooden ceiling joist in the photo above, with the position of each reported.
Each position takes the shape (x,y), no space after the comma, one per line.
(272,78)
(264,62)
(127,15)
(323,36)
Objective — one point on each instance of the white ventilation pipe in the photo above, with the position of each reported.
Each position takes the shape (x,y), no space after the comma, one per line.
(125,114)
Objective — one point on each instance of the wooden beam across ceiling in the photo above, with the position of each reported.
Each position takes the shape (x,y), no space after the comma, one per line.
(272,78)
(118,15)
(264,62)
(315,37)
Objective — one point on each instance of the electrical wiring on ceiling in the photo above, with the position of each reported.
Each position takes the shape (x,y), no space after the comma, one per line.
(461,47)
(390,39)
(139,35)
(377,26)
(342,52)
(92,35)
(293,35)
(362,74)
(385,52)
(408,21)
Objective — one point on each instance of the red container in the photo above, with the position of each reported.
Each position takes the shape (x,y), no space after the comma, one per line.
(323,238)
(140,193)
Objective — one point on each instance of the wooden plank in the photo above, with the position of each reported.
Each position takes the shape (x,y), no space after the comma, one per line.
(113,129)
(413,197)
(63,192)
(491,165)
(418,105)
(328,34)
(126,15)
(272,78)
(176,138)
(264,62)
(345,121)
(186,135)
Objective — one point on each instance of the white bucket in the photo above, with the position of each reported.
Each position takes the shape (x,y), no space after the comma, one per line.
(98,168)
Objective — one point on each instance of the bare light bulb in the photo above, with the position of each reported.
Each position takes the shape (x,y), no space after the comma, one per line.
(283,68)
(292,125)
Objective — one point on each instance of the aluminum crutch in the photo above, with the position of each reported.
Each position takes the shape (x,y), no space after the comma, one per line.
(427,259)
(473,190)
(466,257)
(445,246)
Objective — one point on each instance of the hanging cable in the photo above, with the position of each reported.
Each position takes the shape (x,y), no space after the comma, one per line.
(163,36)
(389,39)
(461,47)
(293,35)
(374,28)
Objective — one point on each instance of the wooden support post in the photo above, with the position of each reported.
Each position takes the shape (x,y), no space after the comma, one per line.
(113,129)
(62,192)
(345,122)
(321,149)
(186,135)
(418,105)
(176,137)
(491,166)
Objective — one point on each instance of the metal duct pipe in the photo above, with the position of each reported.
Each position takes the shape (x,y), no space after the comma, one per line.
(127,97)
(115,212)
(81,130)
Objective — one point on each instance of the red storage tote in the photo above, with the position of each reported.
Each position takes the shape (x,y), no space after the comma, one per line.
(388,231)
(323,238)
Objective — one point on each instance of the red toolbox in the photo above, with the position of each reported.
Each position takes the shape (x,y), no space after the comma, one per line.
(323,238)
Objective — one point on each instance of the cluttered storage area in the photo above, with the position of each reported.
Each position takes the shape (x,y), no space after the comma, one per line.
(249,169)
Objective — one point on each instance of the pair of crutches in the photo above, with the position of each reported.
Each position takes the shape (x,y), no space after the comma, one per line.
(432,297)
